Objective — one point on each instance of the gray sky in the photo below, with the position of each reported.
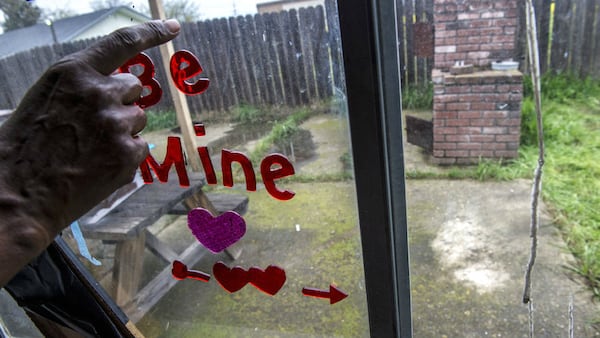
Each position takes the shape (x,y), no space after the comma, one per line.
(209,8)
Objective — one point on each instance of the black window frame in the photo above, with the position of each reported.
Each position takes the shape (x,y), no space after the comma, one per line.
(372,73)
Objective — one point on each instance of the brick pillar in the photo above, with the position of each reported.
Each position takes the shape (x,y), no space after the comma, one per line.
(474,31)
(476,116)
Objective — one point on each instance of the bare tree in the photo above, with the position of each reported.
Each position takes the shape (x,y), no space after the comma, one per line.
(182,10)
(102,4)
(57,14)
(19,14)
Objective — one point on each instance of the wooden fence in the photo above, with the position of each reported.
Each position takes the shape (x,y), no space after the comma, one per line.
(568,32)
(415,69)
(289,58)
(293,58)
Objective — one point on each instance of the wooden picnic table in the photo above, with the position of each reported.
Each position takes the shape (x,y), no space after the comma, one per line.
(126,225)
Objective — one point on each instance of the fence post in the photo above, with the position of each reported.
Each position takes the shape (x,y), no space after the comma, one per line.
(335,46)
(179,100)
(589,39)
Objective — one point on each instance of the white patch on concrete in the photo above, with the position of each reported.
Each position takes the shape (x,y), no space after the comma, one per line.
(465,246)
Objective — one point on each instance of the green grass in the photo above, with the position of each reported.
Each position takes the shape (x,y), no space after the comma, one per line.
(249,114)
(571,181)
(486,169)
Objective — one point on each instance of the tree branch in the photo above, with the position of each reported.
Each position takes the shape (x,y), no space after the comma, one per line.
(532,43)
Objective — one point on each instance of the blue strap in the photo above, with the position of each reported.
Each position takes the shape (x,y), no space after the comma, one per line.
(83,249)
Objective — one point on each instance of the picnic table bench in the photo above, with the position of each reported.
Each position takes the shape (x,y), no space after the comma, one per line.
(126,225)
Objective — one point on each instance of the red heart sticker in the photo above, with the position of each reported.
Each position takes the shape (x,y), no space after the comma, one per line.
(231,280)
(269,281)
(216,233)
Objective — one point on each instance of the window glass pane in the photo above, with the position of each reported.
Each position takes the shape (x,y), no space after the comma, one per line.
(13,320)
(274,124)
(471,129)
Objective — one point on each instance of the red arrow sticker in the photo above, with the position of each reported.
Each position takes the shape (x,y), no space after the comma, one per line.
(333,294)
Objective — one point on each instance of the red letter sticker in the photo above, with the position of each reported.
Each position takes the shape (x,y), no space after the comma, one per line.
(269,175)
(209,170)
(174,156)
(227,158)
(191,69)
(147,79)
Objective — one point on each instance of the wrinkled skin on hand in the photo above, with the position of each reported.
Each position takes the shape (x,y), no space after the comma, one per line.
(74,139)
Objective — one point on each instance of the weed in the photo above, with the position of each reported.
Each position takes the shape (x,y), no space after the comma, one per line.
(157,120)
(248,114)
(346,159)
(503,170)
(280,133)
(564,88)
(418,97)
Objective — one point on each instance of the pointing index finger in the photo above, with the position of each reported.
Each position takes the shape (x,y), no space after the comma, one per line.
(113,50)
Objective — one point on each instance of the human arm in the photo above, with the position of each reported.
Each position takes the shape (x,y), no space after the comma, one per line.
(72,141)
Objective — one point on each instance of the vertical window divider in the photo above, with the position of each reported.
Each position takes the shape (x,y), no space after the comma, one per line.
(372,71)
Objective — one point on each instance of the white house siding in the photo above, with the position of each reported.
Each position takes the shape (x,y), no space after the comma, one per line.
(107,25)
(300,4)
(278,6)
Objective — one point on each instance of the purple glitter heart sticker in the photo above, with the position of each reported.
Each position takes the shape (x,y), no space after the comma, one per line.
(216,233)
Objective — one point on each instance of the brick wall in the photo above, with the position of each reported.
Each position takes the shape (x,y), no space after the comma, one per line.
(476,116)
(474,31)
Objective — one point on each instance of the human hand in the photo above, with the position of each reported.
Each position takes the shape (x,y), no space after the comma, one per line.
(74,139)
